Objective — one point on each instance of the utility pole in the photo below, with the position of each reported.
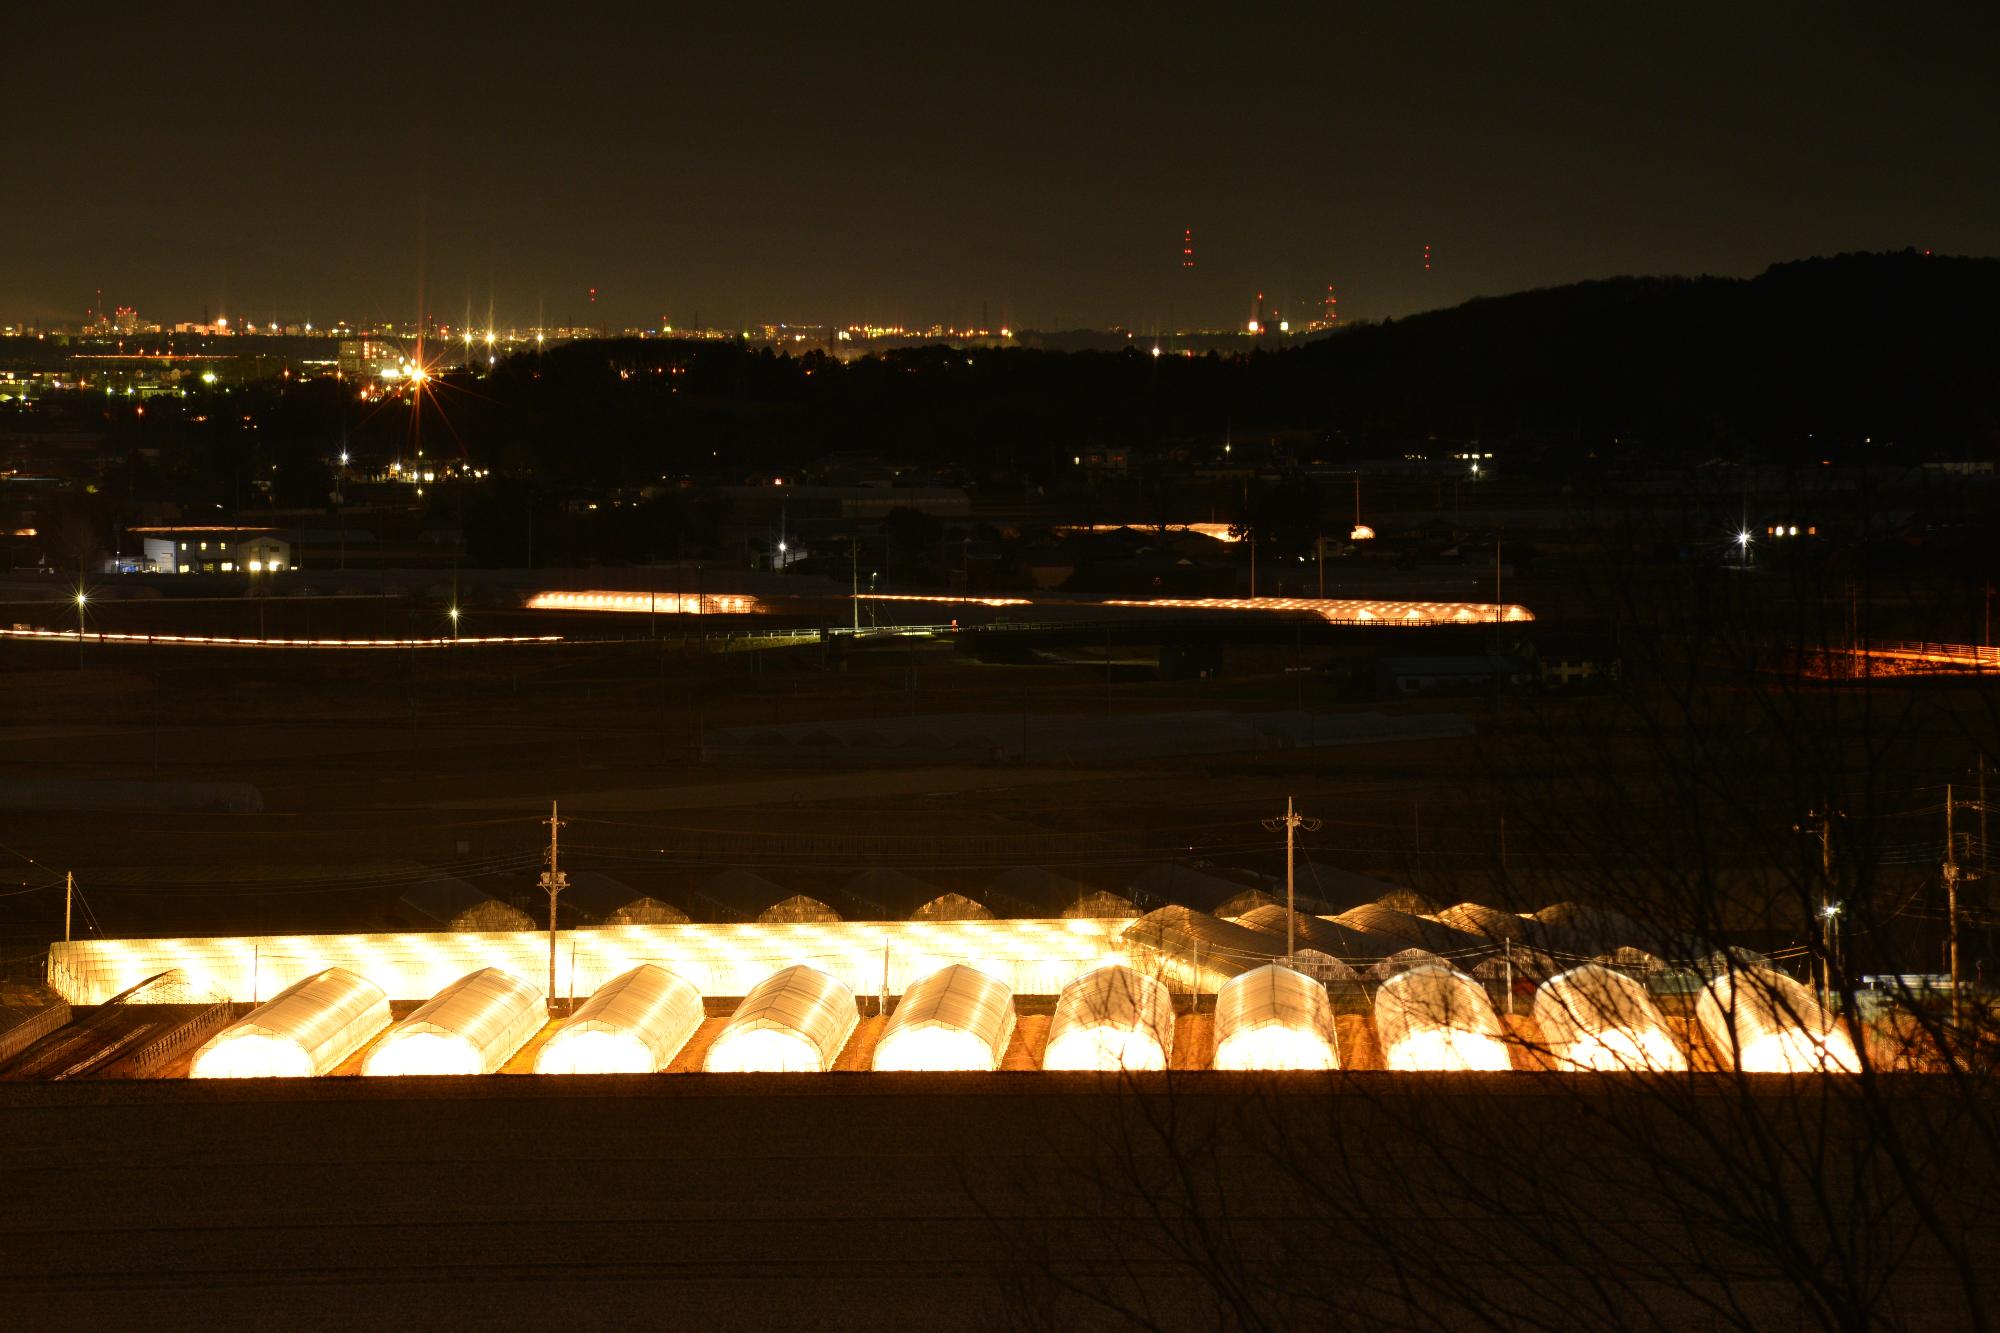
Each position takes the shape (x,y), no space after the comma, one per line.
(1829,910)
(1291,821)
(1951,875)
(554,881)
(1985,868)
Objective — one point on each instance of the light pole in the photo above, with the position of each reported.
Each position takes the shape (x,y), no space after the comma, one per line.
(340,507)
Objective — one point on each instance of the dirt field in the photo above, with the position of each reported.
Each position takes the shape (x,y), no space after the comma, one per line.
(981,1200)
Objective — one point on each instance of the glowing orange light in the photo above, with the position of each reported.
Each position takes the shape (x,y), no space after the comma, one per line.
(649,603)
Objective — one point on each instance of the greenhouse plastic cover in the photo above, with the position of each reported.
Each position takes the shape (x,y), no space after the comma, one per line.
(1033,956)
(1275,1018)
(636,1023)
(955,1018)
(307,1029)
(1329,937)
(1592,1017)
(1401,930)
(1402,961)
(1437,1018)
(793,1022)
(1112,1018)
(1773,1025)
(472,1026)
(1488,923)
(1195,940)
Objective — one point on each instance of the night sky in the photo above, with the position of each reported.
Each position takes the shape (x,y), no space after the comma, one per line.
(851,163)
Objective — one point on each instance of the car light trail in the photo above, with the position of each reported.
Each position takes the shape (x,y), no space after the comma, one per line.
(224,641)
(1343,611)
(1339,611)
(944,598)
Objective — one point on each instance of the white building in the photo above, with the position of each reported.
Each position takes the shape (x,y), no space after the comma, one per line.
(214,550)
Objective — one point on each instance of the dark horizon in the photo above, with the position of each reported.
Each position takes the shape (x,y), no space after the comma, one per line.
(917,167)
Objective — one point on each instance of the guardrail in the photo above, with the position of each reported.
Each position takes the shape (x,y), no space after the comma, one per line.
(1944,654)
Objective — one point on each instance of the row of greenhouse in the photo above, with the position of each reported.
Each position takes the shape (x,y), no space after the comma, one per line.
(1427,1016)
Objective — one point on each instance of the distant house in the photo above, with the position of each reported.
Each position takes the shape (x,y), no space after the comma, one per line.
(1567,661)
(1451,675)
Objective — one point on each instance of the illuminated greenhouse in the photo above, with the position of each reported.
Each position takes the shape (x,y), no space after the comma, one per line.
(1317,932)
(1487,923)
(1202,950)
(1592,1017)
(1764,1022)
(956,1018)
(1101,904)
(798,907)
(307,1029)
(472,1026)
(1402,930)
(636,1023)
(1275,1018)
(1403,961)
(1112,1018)
(1436,1018)
(952,907)
(793,1022)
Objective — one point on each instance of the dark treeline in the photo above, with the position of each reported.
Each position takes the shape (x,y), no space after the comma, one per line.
(1878,357)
